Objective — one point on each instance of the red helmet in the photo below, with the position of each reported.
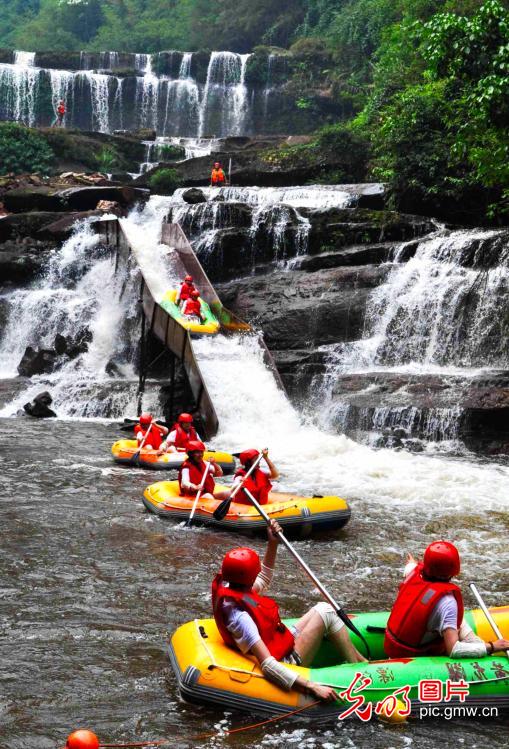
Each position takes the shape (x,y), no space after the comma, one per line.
(441,559)
(189,279)
(145,418)
(195,446)
(185,419)
(195,293)
(241,566)
(248,455)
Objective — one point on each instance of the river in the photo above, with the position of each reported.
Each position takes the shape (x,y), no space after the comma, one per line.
(93,586)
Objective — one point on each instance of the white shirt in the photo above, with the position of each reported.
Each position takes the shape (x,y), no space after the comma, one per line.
(238,622)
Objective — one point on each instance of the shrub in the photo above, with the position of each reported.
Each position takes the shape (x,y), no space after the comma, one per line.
(23,150)
(107,158)
(164,181)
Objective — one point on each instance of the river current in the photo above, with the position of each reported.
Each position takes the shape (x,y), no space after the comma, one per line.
(92,587)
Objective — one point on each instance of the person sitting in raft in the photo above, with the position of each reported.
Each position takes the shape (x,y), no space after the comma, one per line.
(217,176)
(192,471)
(427,617)
(156,434)
(249,621)
(192,308)
(184,293)
(258,483)
(180,435)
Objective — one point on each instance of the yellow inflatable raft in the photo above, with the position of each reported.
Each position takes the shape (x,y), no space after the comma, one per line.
(209,327)
(124,451)
(297,515)
(209,671)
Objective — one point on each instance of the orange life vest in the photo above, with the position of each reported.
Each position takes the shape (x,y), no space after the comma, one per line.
(155,437)
(263,610)
(258,483)
(192,307)
(182,438)
(217,176)
(409,617)
(196,476)
(185,290)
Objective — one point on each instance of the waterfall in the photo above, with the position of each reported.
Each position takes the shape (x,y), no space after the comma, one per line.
(147,93)
(225,95)
(99,89)
(62,88)
(19,92)
(185,66)
(24,59)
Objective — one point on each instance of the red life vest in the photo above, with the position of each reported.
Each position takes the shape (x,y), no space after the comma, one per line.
(409,617)
(182,438)
(196,476)
(258,484)
(185,291)
(61,109)
(192,307)
(263,610)
(154,439)
(217,176)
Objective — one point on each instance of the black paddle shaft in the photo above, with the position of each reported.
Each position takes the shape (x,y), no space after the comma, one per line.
(325,593)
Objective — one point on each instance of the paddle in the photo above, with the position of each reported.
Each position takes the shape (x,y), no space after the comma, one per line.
(136,456)
(221,510)
(487,614)
(198,495)
(325,593)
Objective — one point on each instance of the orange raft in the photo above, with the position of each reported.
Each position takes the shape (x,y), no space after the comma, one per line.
(123,451)
(298,515)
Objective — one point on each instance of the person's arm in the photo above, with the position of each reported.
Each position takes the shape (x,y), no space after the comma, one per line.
(164,430)
(471,649)
(287,679)
(274,473)
(216,468)
(185,480)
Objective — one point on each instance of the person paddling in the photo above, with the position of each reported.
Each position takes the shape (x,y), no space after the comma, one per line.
(249,621)
(154,437)
(427,616)
(180,435)
(217,176)
(186,288)
(258,483)
(192,471)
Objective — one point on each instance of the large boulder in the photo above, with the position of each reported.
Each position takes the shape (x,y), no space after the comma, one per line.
(193,196)
(37,361)
(41,199)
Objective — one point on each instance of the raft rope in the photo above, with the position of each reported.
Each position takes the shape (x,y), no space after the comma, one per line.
(200,736)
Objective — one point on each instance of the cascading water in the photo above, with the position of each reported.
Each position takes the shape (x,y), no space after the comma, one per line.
(82,299)
(438,314)
(223,108)
(175,105)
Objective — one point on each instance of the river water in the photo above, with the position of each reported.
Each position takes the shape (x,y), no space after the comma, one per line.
(92,586)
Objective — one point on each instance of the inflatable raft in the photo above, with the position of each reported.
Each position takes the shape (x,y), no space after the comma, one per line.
(124,451)
(209,671)
(209,327)
(297,515)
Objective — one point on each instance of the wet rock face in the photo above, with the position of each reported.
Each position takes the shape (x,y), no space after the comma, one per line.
(297,310)
(194,196)
(37,361)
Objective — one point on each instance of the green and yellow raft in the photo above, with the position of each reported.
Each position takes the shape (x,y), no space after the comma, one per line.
(209,327)
(209,671)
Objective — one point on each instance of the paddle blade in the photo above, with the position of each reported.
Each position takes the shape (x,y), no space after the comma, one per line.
(221,510)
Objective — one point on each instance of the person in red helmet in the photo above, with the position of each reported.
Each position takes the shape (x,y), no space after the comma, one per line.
(192,471)
(156,434)
(217,176)
(258,483)
(180,435)
(186,288)
(249,621)
(427,616)
(192,307)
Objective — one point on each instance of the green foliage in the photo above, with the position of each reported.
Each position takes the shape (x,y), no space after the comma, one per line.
(23,150)
(164,181)
(107,158)
(168,152)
